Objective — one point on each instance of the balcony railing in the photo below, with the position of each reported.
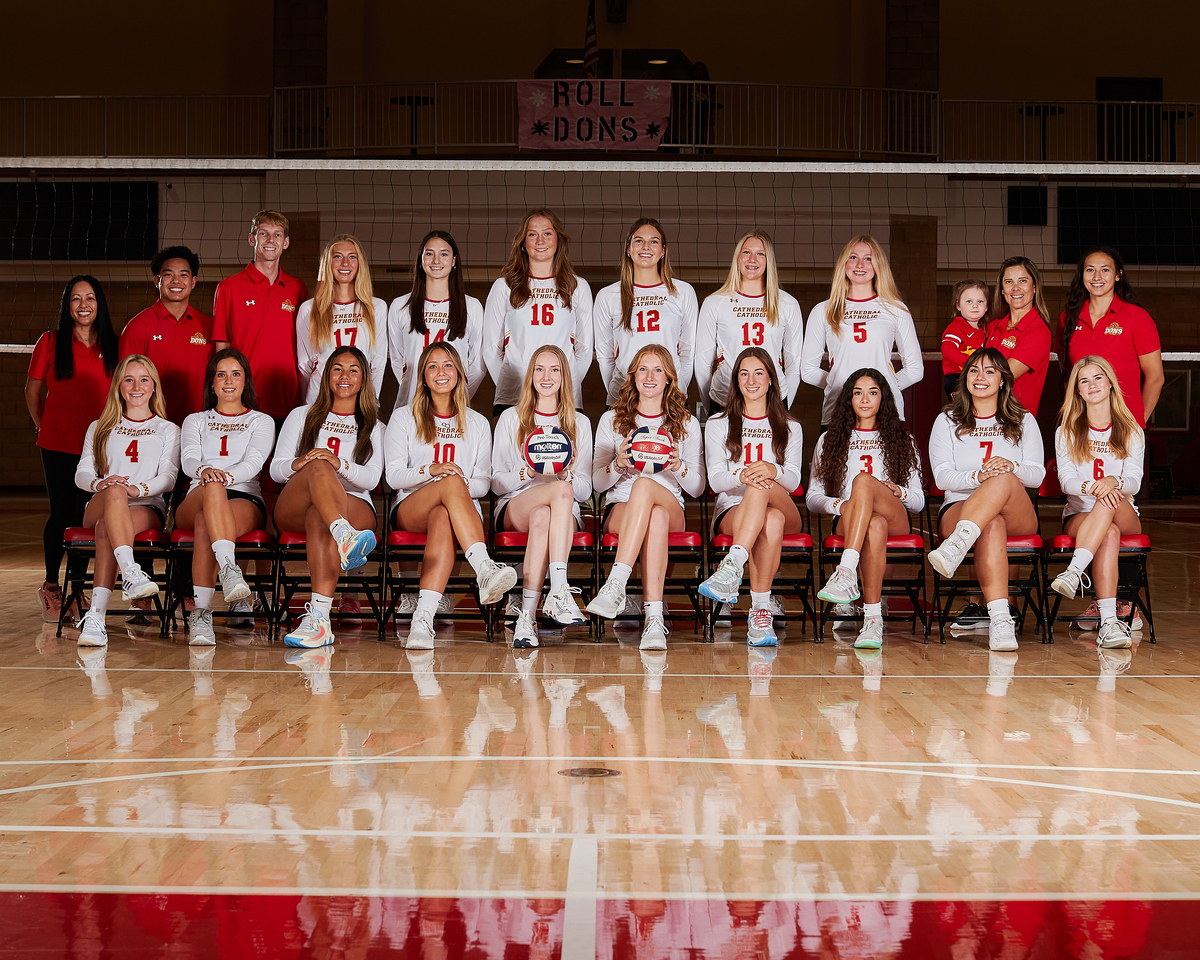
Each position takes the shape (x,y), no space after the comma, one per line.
(479,118)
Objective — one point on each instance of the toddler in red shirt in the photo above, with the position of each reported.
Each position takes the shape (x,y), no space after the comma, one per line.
(964,335)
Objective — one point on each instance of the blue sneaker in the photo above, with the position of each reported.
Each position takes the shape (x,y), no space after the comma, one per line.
(314,631)
(354,546)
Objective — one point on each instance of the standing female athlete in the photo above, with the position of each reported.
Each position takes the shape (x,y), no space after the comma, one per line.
(130,459)
(545,506)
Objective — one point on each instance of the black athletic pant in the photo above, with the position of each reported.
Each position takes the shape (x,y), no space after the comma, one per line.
(66,505)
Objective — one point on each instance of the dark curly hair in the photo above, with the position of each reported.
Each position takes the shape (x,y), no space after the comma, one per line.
(899,454)
(1077,296)
(1009,412)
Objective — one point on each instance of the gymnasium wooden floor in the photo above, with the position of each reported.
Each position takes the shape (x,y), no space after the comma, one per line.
(939,801)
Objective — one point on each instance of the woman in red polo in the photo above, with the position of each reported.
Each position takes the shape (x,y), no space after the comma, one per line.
(68,382)
(1103,319)
(1018,329)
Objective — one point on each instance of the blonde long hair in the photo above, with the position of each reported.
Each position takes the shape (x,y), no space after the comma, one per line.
(733,282)
(516,270)
(366,410)
(320,320)
(114,407)
(664,270)
(1074,419)
(675,412)
(422,401)
(884,283)
(528,402)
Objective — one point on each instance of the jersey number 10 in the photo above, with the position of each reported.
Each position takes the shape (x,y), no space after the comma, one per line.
(443,453)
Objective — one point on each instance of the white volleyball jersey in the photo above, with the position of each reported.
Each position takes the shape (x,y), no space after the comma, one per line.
(511,335)
(689,479)
(511,475)
(239,445)
(723,472)
(658,317)
(1076,478)
(349,330)
(405,346)
(955,461)
(869,329)
(409,458)
(729,324)
(864,454)
(144,451)
(338,434)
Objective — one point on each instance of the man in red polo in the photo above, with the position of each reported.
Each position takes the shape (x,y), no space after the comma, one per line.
(255,311)
(173,333)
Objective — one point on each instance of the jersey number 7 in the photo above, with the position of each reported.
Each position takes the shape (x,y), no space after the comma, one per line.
(986,447)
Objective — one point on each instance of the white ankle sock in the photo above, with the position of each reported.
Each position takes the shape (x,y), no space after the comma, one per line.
(1108,608)
(872,610)
(529,600)
(849,560)
(760,601)
(969,530)
(223,551)
(558,575)
(654,608)
(997,609)
(321,605)
(477,556)
(738,554)
(124,557)
(203,597)
(620,574)
(427,601)
(100,598)
(1080,560)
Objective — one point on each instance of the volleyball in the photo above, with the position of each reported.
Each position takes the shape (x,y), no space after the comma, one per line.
(650,449)
(548,450)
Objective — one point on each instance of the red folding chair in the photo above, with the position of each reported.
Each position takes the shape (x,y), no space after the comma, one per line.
(148,546)
(255,545)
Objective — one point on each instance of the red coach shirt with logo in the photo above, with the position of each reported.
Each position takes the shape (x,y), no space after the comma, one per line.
(70,404)
(1124,334)
(180,350)
(1029,342)
(259,318)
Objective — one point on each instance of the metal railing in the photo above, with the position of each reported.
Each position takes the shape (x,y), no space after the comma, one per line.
(480,118)
(186,127)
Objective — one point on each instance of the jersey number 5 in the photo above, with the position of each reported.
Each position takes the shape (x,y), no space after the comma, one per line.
(753,334)
(547,314)
(860,332)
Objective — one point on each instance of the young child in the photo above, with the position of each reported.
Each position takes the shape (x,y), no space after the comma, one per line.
(965,334)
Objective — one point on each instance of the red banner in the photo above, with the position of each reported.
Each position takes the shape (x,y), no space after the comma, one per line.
(593,114)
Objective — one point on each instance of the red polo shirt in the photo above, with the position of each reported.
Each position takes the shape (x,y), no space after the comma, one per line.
(259,318)
(1124,334)
(180,350)
(1029,342)
(70,404)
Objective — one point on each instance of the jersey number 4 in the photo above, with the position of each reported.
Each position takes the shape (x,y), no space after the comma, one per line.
(547,312)
(753,334)
(131,452)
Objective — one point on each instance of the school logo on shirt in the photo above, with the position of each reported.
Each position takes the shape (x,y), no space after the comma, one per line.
(1113,330)
(198,339)
(288,306)
(1009,342)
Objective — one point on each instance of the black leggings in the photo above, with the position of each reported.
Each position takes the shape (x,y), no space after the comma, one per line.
(66,505)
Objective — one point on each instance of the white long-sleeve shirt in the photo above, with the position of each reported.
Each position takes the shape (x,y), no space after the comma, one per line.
(657,317)
(512,335)
(864,454)
(511,475)
(727,325)
(338,434)
(145,451)
(956,461)
(1076,478)
(409,458)
(869,328)
(404,346)
(724,474)
(239,445)
(616,485)
(349,330)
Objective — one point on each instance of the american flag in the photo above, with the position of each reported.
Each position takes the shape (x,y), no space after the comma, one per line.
(591,47)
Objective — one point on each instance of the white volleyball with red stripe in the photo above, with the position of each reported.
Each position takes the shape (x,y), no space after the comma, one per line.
(650,449)
(548,450)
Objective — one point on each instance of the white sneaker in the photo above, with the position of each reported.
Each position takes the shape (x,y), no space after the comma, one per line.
(495,580)
(241,613)
(725,582)
(947,558)
(233,584)
(354,546)
(842,587)
(1114,635)
(313,631)
(845,617)
(200,628)
(654,633)
(135,585)
(407,605)
(560,606)
(92,632)
(525,633)
(760,629)
(512,607)
(420,632)
(776,609)
(1002,634)
(608,601)
(445,609)
(1068,583)
(630,615)
(870,637)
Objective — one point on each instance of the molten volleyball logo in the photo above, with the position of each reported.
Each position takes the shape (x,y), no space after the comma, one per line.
(548,450)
